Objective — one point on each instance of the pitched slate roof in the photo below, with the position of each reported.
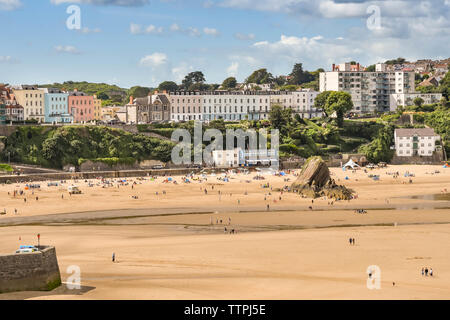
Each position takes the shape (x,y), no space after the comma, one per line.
(424,132)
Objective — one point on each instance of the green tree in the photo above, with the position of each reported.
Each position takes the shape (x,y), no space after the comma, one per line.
(371,68)
(193,78)
(339,103)
(229,83)
(260,76)
(280,118)
(298,76)
(321,99)
(102,96)
(168,86)
(418,102)
(137,92)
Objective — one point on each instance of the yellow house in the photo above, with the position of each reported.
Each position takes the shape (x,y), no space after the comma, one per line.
(109,113)
(97,108)
(33,101)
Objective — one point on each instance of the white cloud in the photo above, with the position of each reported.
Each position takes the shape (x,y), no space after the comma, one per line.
(135,28)
(151,29)
(211,32)
(5,59)
(10,4)
(67,49)
(179,72)
(154,60)
(244,37)
(174,28)
(232,70)
(87,30)
(124,3)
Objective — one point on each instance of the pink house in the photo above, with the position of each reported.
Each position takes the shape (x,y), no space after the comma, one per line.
(81,106)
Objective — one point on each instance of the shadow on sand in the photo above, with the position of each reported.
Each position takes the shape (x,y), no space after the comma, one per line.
(60,291)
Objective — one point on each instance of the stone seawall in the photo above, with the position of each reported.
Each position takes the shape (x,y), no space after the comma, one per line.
(93,175)
(37,271)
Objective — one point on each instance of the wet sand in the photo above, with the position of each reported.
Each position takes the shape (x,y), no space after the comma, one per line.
(168,249)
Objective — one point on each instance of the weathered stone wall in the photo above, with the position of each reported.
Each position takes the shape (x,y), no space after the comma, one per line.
(37,271)
(436,158)
(100,166)
(94,175)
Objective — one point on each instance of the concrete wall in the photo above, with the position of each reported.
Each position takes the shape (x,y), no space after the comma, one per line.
(38,271)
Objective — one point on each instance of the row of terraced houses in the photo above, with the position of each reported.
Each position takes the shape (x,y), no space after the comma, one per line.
(379,91)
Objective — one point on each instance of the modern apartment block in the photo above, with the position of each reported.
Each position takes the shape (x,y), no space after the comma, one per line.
(81,106)
(407,99)
(239,105)
(415,142)
(56,106)
(370,91)
(32,99)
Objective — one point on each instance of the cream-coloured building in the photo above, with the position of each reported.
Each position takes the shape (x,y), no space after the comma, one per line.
(228,158)
(415,142)
(32,99)
(97,108)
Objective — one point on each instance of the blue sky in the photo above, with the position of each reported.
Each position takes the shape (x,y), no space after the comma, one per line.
(144,42)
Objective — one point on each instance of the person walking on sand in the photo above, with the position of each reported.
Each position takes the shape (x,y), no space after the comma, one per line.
(423,272)
(350,241)
(431,272)
(268,207)
(113,257)
(426,272)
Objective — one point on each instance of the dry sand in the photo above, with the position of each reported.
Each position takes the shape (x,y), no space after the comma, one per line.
(167,249)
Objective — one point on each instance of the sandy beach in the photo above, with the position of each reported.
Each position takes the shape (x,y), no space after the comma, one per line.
(171,242)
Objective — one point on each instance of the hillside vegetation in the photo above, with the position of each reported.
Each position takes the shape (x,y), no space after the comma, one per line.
(57,147)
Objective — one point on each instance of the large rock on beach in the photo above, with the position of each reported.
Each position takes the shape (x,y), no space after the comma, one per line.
(315,181)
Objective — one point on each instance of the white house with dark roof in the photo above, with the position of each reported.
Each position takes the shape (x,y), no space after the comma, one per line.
(415,142)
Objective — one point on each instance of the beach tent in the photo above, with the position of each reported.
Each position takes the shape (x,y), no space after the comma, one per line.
(351,164)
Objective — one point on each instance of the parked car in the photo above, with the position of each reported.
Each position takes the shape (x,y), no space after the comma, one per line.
(27,249)
(74,190)
(158,167)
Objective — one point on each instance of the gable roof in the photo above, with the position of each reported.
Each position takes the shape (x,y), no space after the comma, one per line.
(423,132)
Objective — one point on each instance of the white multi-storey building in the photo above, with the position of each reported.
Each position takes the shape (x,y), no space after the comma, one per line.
(370,91)
(239,105)
(415,142)
(407,99)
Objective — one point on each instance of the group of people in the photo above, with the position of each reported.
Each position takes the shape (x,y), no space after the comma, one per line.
(352,241)
(427,272)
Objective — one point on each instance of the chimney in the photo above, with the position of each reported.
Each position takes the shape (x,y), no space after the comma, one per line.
(131,99)
(334,67)
(358,67)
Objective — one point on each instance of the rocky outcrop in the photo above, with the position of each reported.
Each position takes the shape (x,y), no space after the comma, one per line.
(315,181)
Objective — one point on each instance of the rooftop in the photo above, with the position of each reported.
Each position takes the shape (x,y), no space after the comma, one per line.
(424,132)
